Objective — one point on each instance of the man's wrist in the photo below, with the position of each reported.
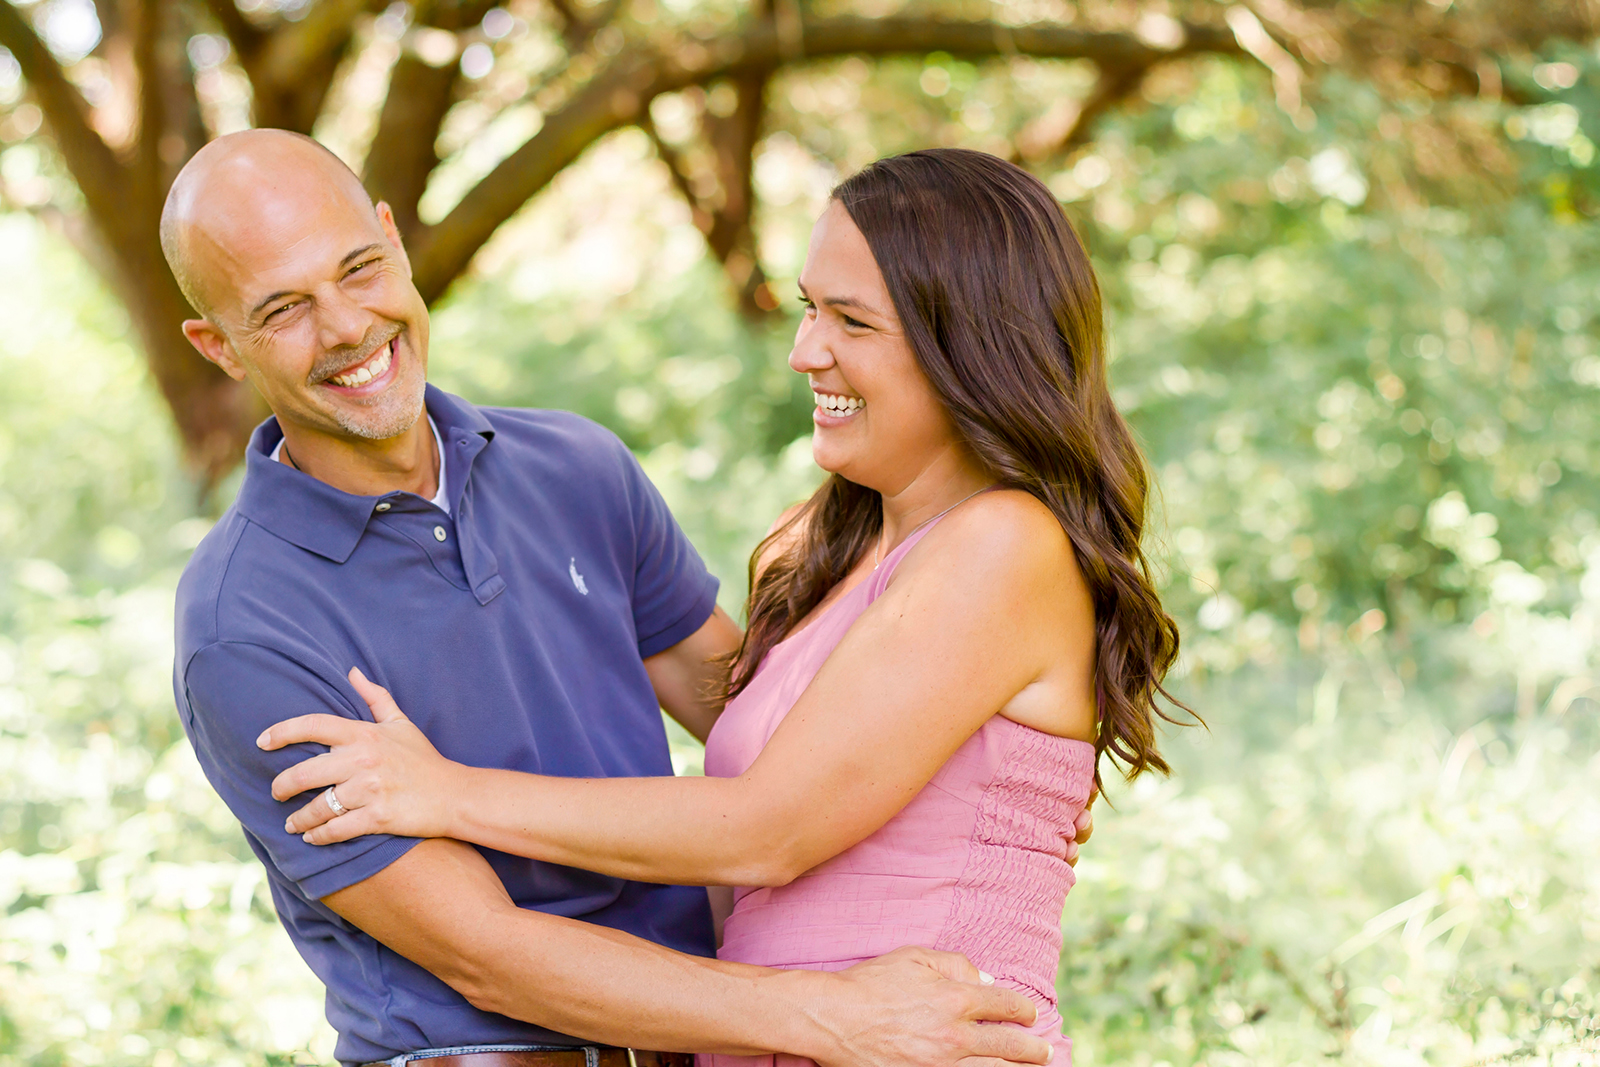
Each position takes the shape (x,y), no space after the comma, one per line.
(805,1025)
(460,783)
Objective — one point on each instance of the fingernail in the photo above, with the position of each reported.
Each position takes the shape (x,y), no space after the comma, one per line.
(986,978)
(261,742)
(286,827)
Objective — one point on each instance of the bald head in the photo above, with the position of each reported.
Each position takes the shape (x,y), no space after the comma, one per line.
(239,191)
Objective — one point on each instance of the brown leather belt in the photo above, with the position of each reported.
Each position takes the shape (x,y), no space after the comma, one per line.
(576,1057)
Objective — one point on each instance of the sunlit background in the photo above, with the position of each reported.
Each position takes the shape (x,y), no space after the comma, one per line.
(1352,318)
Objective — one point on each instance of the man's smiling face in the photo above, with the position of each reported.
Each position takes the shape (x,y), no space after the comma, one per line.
(306,287)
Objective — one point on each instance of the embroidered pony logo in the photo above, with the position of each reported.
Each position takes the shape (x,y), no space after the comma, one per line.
(577,579)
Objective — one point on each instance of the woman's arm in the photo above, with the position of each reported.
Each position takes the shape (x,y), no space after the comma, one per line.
(984,606)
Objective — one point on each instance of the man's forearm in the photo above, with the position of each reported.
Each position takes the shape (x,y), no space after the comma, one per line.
(442,907)
(613,988)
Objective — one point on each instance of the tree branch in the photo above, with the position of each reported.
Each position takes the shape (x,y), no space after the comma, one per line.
(678,169)
(99,174)
(295,48)
(292,66)
(402,155)
(578,31)
(567,13)
(109,13)
(184,118)
(724,218)
(619,93)
(152,100)
(242,34)
(731,237)
(1071,123)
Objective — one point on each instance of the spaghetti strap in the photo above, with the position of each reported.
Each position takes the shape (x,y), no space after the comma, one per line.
(885,570)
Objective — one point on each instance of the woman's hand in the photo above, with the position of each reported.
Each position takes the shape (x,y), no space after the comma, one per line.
(1082,828)
(386,775)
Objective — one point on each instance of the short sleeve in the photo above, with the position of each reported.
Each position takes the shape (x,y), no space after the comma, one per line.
(673,593)
(234,691)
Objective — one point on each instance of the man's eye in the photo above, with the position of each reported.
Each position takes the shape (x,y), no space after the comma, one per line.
(360,267)
(275,312)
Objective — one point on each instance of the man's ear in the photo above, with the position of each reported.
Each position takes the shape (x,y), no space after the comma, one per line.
(211,343)
(392,231)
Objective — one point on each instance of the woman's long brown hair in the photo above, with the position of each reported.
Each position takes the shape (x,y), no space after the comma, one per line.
(1002,311)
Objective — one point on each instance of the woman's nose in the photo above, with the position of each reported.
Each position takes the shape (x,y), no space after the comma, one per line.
(810,353)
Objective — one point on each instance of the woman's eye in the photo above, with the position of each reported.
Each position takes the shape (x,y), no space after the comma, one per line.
(848,321)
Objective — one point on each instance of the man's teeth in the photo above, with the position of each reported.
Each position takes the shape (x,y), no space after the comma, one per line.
(367,371)
(840,405)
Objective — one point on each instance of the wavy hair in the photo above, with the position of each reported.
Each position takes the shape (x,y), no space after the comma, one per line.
(1001,308)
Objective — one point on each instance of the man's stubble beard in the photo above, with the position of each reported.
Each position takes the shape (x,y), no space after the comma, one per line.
(401,406)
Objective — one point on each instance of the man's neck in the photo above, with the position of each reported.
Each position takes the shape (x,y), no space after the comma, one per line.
(406,463)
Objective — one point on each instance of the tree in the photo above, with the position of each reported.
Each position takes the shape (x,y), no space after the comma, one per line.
(125,112)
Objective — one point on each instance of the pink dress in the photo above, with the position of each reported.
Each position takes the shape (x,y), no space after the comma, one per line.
(975,863)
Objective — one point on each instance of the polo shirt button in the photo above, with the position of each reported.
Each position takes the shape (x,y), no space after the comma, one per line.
(438,533)
(382,507)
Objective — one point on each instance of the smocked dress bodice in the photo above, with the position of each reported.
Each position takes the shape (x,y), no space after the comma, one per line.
(975,863)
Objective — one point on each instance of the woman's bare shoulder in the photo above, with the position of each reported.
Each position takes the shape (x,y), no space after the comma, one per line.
(1005,543)
(1010,525)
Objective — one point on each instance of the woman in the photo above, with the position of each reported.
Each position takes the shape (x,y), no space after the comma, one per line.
(941,641)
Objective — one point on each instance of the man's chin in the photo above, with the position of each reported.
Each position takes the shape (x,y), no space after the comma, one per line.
(396,412)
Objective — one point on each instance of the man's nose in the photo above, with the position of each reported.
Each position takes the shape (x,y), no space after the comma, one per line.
(341,321)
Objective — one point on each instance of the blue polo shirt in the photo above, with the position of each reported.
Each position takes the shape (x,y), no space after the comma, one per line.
(512,631)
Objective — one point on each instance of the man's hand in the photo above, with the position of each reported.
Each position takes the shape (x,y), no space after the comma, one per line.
(915,1007)
(1083,827)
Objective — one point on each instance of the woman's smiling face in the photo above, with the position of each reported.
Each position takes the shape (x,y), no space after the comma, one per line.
(878,421)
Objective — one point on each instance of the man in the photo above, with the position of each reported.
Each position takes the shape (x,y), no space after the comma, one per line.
(517,583)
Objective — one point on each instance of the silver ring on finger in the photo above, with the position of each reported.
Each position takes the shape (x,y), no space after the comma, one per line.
(333,802)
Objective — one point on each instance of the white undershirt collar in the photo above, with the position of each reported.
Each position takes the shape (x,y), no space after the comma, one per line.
(440,500)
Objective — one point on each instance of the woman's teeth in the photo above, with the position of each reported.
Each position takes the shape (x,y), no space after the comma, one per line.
(367,371)
(840,405)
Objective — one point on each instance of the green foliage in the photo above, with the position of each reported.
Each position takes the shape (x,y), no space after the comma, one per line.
(136,927)
(1370,415)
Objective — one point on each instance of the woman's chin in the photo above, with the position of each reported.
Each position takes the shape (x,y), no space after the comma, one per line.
(829,459)
(834,463)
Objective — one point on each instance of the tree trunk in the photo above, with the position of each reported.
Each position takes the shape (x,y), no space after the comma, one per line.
(214,414)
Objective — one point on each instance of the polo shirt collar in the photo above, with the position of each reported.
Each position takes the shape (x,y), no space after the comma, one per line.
(315,516)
